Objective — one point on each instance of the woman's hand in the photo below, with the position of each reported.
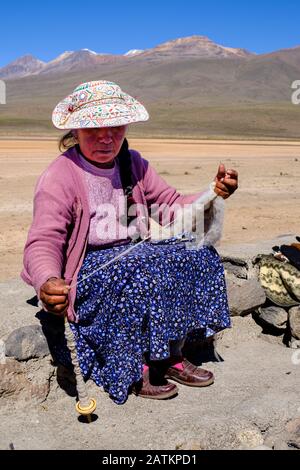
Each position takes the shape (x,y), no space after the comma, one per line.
(226,182)
(54,295)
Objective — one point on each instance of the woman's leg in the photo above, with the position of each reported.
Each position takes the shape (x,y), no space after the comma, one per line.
(137,305)
(154,386)
(179,369)
(191,296)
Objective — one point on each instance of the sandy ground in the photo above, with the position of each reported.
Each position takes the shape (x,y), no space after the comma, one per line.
(257,382)
(265,205)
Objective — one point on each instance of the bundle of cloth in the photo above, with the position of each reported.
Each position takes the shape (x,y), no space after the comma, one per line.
(289,253)
(279,274)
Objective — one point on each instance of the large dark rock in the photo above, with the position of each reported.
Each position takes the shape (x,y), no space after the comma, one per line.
(294,321)
(27,342)
(244,296)
(274,316)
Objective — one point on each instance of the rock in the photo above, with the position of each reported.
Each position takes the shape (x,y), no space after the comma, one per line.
(25,382)
(294,321)
(273,338)
(26,343)
(237,271)
(244,296)
(274,316)
(235,267)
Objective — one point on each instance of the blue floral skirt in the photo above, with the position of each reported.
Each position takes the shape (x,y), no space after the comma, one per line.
(156,293)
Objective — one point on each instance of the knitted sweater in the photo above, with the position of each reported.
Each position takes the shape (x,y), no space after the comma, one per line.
(59,232)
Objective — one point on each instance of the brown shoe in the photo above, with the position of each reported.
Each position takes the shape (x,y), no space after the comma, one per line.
(190,375)
(145,389)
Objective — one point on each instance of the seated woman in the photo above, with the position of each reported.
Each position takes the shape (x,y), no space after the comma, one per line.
(131,301)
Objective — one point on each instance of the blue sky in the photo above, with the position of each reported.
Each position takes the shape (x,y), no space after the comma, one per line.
(52,27)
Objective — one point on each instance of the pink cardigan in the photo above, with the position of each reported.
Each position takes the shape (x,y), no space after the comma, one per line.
(58,236)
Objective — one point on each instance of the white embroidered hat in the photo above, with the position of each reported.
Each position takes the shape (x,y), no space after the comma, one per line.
(98,104)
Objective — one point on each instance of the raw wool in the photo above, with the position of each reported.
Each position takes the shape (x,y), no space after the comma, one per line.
(215,230)
(202,221)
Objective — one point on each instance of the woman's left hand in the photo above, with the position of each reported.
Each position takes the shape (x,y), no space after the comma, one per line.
(226,182)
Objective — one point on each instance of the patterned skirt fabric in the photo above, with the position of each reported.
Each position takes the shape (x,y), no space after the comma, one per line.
(156,293)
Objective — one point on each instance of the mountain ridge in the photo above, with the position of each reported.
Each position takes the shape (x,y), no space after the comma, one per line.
(191,46)
(186,94)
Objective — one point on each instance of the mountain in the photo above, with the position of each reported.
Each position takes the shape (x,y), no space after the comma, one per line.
(78,60)
(290,56)
(69,61)
(191,86)
(21,67)
(194,46)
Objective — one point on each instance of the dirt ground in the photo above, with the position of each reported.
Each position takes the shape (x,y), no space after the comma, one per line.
(256,392)
(265,205)
(257,382)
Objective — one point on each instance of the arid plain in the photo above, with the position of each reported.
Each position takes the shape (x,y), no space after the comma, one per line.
(265,205)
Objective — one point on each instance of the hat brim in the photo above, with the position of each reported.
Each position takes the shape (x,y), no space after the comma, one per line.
(99,115)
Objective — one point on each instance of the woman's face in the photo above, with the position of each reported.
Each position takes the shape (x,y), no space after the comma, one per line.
(101,145)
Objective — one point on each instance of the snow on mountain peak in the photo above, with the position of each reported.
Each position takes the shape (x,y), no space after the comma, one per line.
(133,52)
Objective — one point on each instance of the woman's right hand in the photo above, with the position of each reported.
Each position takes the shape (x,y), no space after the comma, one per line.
(54,295)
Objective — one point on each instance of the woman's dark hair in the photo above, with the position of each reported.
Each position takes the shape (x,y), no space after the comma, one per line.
(124,159)
(68,140)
